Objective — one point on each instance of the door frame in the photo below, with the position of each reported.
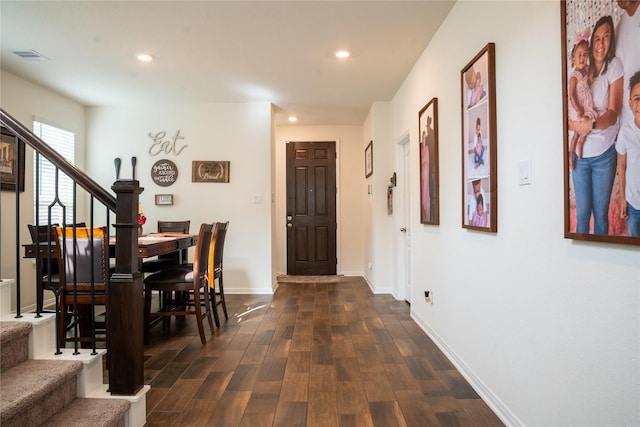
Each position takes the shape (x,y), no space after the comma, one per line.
(282,220)
(403,218)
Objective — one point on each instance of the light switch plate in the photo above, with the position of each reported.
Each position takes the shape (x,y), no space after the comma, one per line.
(524,172)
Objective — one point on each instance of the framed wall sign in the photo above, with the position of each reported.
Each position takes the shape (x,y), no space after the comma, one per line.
(479,142)
(429,187)
(11,162)
(210,171)
(368,160)
(164,172)
(601,94)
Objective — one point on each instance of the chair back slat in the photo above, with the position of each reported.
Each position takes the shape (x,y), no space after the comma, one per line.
(80,269)
(203,245)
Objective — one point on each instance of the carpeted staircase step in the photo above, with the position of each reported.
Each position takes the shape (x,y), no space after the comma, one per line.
(35,390)
(91,412)
(14,343)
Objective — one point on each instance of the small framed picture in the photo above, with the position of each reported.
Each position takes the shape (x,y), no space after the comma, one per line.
(164,199)
(479,142)
(11,165)
(429,187)
(368,160)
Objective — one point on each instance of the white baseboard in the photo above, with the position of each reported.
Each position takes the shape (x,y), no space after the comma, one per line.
(494,402)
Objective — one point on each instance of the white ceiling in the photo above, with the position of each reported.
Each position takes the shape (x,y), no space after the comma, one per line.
(223,51)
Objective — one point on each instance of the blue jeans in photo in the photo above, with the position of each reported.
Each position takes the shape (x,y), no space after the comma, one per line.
(478,158)
(633,220)
(593,182)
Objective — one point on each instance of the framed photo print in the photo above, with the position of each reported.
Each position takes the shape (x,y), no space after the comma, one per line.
(368,160)
(11,162)
(601,106)
(479,155)
(429,188)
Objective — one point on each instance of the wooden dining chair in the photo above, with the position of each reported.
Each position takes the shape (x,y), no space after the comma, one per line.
(44,238)
(216,271)
(168,260)
(180,281)
(47,278)
(84,260)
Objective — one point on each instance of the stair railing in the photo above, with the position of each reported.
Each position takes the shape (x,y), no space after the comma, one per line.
(124,288)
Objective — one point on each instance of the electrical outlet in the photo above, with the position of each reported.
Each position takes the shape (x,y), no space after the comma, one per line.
(427,297)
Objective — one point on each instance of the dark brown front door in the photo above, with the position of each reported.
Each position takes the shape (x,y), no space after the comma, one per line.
(311,208)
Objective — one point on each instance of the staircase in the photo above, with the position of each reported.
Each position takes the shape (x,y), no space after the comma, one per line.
(38,387)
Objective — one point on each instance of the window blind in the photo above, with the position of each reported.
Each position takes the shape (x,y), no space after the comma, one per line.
(64,143)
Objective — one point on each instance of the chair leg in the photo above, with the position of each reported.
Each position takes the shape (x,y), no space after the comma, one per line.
(222,300)
(198,310)
(214,305)
(207,306)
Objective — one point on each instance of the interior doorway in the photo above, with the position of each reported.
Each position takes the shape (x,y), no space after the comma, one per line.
(404,231)
(311,208)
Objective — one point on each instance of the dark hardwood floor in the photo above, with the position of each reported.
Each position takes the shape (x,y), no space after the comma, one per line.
(316,354)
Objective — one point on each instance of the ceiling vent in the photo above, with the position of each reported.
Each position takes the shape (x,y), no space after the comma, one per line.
(30,55)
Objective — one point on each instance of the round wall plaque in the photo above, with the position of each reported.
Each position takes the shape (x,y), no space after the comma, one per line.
(164,172)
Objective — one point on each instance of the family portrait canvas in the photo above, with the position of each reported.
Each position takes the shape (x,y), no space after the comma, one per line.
(479,169)
(601,88)
(429,188)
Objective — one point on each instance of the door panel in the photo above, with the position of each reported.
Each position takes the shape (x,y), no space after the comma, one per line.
(311,208)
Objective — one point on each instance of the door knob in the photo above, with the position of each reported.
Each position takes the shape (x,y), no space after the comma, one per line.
(403,229)
(289,225)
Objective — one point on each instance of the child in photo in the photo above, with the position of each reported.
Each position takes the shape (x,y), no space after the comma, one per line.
(478,151)
(628,148)
(580,99)
(479,218)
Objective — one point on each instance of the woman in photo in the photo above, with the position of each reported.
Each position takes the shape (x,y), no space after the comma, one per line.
(595,171)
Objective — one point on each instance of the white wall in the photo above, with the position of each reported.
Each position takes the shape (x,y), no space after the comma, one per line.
(239,133)
(26,101)
(350,178)
(547,329)
(378,260)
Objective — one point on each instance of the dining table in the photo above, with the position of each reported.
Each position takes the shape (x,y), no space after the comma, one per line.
(149,245)
(154,244)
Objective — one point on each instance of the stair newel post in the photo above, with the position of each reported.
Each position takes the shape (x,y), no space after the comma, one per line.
(125,308)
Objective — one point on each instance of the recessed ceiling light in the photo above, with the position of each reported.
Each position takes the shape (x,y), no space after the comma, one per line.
(144,57)
(342,54)
(293,119)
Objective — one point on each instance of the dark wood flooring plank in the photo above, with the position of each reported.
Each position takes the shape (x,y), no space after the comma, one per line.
(264,398)
(179,396)
(244,377)
(387,414)
(214,385)
(199,368)
(289,414)
(323,409)
(351,398)
(295,387)
(162,419)
(169,375)
(229,410)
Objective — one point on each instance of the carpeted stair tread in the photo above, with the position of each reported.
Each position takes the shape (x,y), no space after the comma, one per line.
(91,412)
(26,386)
(14,343)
